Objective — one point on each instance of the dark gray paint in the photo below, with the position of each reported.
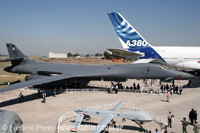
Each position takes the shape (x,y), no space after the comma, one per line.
(41,71)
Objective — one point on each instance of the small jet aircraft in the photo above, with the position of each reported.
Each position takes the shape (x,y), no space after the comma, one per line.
(109,115)
(50,75)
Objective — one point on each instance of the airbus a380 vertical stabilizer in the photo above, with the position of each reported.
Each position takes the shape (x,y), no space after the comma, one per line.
(185,58)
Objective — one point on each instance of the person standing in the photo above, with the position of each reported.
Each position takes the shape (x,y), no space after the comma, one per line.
(138,86)
(170,116)
(180,90)
(116,89)
(196,127)
(191,116)
(189,83)
(109,88)
(39,92)
(8,83)
(168,94)
(157,131)
(21,96)
(54,92)
(44,97)
(184,125)
(164,129)
(134,86)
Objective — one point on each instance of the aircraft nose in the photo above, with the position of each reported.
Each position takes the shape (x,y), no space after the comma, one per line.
(178,75)
(185,75)
(146,117)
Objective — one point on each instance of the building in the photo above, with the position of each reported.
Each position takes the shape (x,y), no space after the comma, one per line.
(57,55)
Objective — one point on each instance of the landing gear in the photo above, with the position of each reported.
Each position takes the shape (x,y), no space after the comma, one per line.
(140,124)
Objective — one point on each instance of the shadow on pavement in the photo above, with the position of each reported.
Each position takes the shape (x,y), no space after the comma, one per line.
(27,98)
(119,127)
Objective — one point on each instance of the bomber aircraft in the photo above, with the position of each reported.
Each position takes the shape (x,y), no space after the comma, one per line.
(50,75)
(109,115)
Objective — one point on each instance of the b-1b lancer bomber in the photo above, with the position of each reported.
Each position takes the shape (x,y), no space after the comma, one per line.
(51,75)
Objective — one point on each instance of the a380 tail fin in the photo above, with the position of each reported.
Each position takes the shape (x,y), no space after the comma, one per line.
(127,34)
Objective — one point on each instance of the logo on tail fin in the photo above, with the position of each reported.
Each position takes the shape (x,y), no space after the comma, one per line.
(128,36)
(131,39)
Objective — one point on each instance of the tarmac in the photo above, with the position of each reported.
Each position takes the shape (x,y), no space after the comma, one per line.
(40,117)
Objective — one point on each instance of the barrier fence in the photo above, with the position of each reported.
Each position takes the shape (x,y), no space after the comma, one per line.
(143,90)
(158,119)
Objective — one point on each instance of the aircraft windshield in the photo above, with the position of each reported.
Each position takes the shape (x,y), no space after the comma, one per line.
(163,67)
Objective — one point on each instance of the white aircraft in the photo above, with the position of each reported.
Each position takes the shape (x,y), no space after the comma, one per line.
(137,48)
(109,115)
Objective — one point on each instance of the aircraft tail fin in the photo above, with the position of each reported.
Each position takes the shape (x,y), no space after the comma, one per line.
(14,52)
(15,55)
(127,34)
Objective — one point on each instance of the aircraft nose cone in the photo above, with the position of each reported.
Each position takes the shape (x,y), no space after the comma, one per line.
(186,75)
(148,118)
(178,75)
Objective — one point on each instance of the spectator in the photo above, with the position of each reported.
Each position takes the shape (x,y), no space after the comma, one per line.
(116,89)
(191,116)
(170,116)
(138,86)
(189,83)
(196,127)
(180,90)
(134,86)
(157,131)
(161,87)
(184,125)
(44,97)
(21,97)
(164,129)
(8,83)
(168,95)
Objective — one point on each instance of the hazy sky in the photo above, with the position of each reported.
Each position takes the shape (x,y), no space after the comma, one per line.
(40,26)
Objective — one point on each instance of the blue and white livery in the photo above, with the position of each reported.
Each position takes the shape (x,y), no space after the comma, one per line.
(187,58)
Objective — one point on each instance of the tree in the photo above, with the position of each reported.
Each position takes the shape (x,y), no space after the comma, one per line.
(97,54)
(87,55)
(69,54)
(75,55)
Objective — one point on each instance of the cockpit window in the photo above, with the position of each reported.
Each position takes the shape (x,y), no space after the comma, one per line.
(163,67)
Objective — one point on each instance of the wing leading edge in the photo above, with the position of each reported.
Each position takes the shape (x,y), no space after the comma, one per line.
(107,119)
(36,82)
(104,122)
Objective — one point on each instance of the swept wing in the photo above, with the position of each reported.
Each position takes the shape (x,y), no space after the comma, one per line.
(33,82)
(103,123)
(118,106)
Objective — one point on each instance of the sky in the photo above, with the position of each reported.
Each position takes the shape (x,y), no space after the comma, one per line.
(38,27)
